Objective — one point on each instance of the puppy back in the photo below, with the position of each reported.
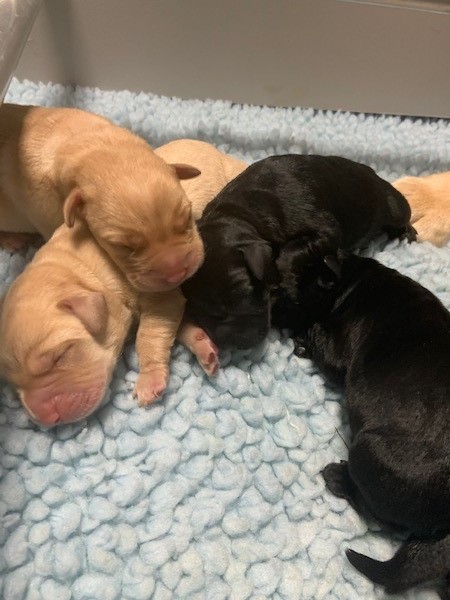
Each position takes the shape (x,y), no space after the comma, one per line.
(216,169)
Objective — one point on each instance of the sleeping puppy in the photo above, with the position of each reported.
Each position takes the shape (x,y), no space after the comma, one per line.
(61,339)
(387,339)
(84,291)
(64,321)
(216,170)
(268,222)
(63,164)
(429,199)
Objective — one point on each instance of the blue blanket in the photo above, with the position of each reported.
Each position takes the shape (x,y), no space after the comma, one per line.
(214,492)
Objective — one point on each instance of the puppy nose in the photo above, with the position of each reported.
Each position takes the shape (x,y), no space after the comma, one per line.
(177,277)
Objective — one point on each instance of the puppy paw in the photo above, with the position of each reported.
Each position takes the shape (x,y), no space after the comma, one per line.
(16,241)
(337,479)
(207,355)
(300,348)
(433,228)
(402,233)
(410,234)
(199,343)
(150,386)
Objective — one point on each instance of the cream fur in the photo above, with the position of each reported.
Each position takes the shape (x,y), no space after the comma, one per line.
(34,326)
(130,198)
(429,199)
(216,168)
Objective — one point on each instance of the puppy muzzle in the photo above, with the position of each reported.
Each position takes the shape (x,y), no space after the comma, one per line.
(166,278)
(53,408)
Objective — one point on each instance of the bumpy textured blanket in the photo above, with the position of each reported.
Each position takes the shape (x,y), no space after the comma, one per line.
(214,492)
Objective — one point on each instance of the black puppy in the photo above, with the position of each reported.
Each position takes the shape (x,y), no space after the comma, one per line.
(388,340)
(268,221)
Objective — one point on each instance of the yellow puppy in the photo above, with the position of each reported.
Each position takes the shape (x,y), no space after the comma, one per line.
(429,198)
(64,321)
(62,163)
(59,342)
(216,168)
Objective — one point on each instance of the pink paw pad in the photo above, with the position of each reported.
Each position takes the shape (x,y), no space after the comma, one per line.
(206,352)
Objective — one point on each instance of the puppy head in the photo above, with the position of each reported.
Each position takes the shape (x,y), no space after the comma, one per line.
(140,215)
(229,296)
(316,287)
(54,347)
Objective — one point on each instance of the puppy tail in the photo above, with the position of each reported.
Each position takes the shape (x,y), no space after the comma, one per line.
(416,562)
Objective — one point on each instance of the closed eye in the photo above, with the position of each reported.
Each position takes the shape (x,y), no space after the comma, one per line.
(43,362)
(183,223)
(60,357)
(124,248)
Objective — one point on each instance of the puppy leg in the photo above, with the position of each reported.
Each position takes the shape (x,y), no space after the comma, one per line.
(300,347)
(407,232)
(339,483)
(337,480)
(327,352)
(160,317)
(197,341)
(433,228)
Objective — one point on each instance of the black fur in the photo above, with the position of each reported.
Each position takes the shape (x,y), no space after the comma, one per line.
(387,339)
(265,225)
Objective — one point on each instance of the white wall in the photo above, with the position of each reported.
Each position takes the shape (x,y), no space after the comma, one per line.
(320,53)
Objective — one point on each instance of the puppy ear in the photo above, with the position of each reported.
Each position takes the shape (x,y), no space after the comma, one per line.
(333,263)
(185,171)
(90,308)
(258,258)
(72,205)
(330,272)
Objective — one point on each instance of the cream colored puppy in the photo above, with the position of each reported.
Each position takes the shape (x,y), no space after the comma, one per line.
(429,199)
(63,325)
(216,168)
(59,342)
(63,164)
